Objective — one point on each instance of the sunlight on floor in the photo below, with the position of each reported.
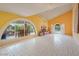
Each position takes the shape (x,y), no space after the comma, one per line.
(52,44)
(57,38)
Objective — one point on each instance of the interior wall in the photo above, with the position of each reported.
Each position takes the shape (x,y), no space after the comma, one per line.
(65,19)
(75,19)
(38,21)
(75,22)
(6,17)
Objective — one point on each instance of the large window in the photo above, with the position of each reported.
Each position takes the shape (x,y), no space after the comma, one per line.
(57,27)
(18,29)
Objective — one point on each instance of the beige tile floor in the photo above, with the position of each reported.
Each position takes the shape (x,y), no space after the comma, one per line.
(49,45)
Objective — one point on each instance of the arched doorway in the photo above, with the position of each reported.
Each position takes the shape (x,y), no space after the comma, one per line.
(18,28)
(58,29)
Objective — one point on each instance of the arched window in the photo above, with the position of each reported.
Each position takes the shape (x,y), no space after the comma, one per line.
(57,27)
(18,29)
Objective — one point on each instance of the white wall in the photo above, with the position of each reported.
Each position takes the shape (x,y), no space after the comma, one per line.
(75,20)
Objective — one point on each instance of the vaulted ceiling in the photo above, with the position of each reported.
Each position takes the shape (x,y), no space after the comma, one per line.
(44,10)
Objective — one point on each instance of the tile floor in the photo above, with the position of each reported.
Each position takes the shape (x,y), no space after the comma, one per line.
(49,45)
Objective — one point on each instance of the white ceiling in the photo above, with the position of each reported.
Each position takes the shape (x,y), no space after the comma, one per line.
(27,9)
(47,15)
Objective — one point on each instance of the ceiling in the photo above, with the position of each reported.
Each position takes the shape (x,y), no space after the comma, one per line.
(47,15)
(45,10)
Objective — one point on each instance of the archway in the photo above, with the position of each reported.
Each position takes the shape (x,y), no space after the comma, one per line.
(58,29)
(18,28)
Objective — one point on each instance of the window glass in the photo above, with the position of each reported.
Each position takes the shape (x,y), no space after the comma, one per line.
(18,29)
(57,27)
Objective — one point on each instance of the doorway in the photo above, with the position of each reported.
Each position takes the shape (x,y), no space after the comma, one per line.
(58,29)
